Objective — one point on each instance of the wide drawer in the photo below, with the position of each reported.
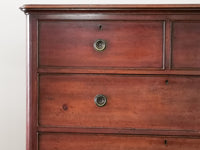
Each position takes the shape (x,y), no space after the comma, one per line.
(149,102)
(131,44)
(114,142)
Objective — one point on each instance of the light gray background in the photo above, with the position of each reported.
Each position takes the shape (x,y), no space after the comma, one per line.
(13,64)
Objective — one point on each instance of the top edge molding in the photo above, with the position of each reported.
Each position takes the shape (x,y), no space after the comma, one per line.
(50,7)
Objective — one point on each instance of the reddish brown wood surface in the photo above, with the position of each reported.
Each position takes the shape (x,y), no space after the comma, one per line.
(114,142)
(111,7)
(145,71)
(133,44)
(122,131)
(154,42)
(32,85)
(133,101)
(186,44)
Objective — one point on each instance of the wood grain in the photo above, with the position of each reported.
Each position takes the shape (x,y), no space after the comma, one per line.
(186,44)
(133,44)
(122,131)
(32,85)
(177,7)
(148,45)
(114,142)
(149,102)
(147,71)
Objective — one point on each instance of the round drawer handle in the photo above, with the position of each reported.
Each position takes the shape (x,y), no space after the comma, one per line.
(100,100)
(99,45)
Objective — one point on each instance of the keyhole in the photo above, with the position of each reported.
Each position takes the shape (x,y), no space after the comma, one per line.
(65,107)
(100,27)
(166,82)
(165,142)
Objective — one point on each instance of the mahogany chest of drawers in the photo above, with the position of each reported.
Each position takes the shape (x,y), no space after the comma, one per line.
(113,77)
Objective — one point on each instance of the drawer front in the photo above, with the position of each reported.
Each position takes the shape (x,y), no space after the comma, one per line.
(132,101)
(186,45)
(114,142)
(132,44)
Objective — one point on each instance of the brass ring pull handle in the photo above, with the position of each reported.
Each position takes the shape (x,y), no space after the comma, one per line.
(99,45)
(100,100)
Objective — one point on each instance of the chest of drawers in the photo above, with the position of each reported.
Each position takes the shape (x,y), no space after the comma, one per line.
(113,77)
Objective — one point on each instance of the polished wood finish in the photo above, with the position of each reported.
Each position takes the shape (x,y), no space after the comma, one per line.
(114,142)
(132,101)
(149,73)
(177,7)
(130,71)
(186,44)
(123,44)
(31,85)
(122,131)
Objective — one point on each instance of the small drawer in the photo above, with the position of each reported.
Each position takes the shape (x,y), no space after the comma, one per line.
(129,44)
(119,101)
(114,142)
(186,45)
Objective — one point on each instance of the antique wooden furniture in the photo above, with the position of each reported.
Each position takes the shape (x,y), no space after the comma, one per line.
(113,77)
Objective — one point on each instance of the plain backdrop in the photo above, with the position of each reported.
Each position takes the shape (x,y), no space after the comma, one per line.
(13,62)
